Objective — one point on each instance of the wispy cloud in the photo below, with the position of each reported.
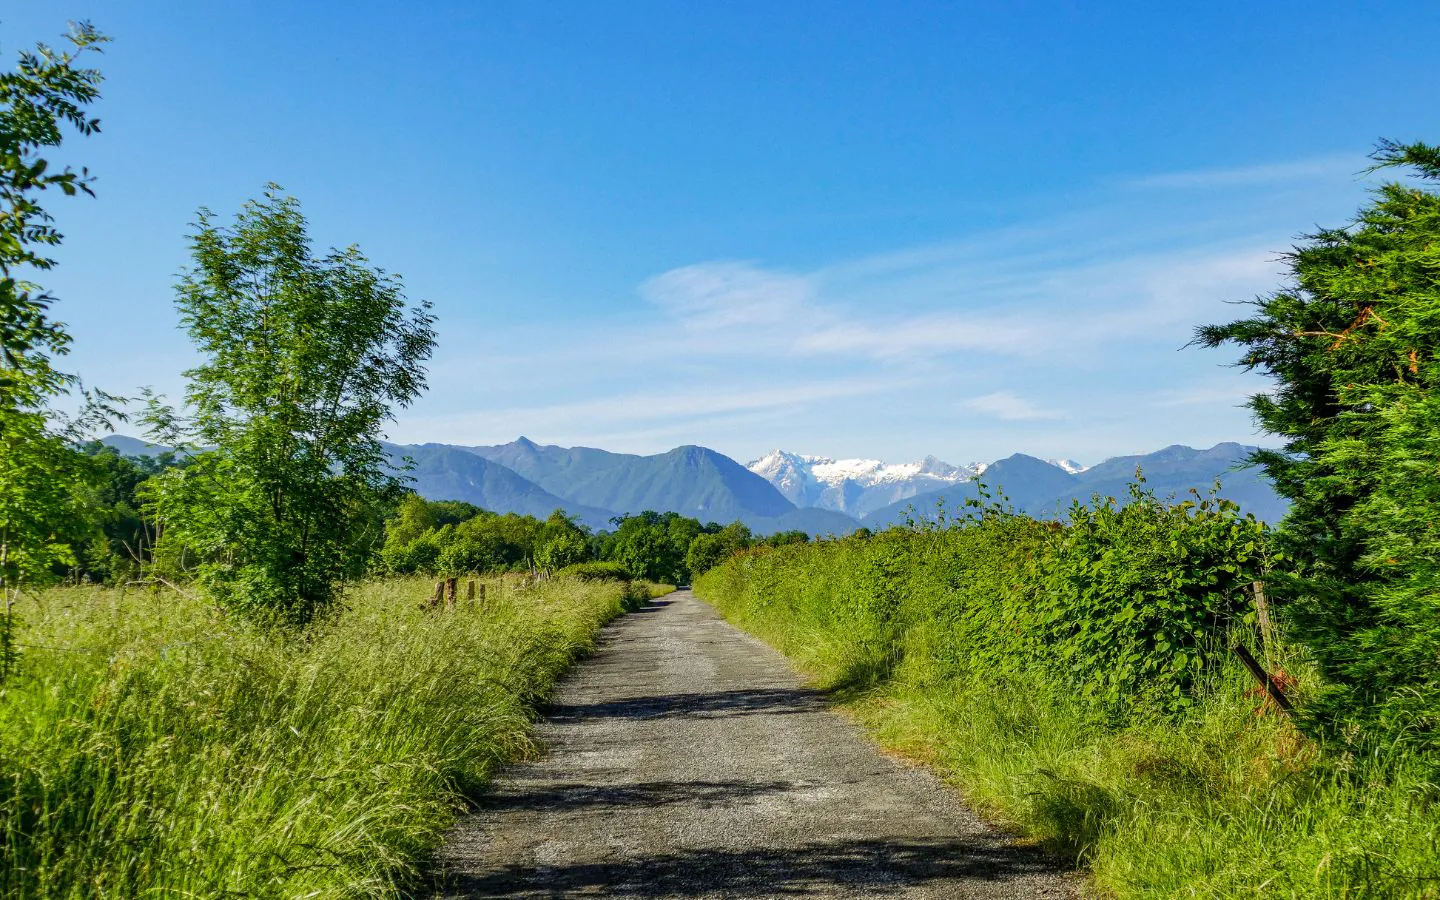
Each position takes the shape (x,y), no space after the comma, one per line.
(1009,406)
(611,410)
(774,314)
(728,294)
(1234,390)
(1324,167)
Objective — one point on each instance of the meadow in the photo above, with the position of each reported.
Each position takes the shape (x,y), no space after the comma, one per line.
(969,649)
(152,746)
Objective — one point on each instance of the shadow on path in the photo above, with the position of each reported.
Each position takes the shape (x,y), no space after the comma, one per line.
(873,866)
(572,796)
(719,704)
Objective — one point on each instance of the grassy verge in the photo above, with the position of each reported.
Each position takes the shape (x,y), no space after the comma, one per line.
(149,747)
(1218,802)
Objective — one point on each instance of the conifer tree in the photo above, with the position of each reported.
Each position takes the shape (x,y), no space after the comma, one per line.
(1354,347)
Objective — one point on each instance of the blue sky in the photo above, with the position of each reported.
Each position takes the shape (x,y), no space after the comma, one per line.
(880,229)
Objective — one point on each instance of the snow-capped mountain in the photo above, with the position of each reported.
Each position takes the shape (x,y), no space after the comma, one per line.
(1069,465)
(854,486)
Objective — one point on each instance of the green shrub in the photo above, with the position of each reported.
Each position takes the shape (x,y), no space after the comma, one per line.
(1133,603)
(596,571)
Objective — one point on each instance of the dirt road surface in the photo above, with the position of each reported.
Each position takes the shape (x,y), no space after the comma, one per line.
(686,759)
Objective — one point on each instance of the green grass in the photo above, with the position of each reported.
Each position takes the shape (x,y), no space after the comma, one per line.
(149,747)
(1218,803)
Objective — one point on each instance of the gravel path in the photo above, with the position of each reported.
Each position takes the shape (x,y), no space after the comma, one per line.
(686,759)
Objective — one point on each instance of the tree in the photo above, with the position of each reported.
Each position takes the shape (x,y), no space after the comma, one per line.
(305,359)
(46,92)
(643,544)
(560,543)
(1354,348)
(709,549)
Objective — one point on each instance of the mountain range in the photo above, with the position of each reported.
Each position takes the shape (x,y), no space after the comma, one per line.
(784,491)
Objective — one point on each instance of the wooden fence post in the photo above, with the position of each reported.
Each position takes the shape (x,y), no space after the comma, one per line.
(452,587)
(439,594)
(470,591)
(1262,615)
(1265,680)
(481,588)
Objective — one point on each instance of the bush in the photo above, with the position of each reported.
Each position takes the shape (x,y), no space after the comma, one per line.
(1134,603)
(596,571)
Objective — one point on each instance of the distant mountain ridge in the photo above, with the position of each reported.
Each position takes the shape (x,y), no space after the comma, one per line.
(694,481)
(596,485)
(1044,489)
(785,491)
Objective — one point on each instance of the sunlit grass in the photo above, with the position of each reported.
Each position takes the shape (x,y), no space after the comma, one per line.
(148,746)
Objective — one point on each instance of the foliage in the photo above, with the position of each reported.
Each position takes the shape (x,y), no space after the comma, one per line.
(153,749)
(46,92)
(304,360)
(452,538)
(445,537)
(1033,662)
(120,537)
(1127,606)
(596,571)
(709,549)
(1354,348)
(560,542)
(415,517)
(1138,600)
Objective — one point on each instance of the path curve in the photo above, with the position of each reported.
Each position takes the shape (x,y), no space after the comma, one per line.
(686,759)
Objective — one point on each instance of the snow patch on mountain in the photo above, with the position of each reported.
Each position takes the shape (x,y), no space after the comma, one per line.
(1069,465)
(854,486)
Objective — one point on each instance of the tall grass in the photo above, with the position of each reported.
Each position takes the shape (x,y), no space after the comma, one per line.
(1219,800)
(149,747)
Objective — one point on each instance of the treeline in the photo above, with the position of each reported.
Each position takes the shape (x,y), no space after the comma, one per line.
(114,536)
(456,538)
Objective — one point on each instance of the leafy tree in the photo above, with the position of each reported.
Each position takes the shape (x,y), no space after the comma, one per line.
(784,538)
(1354,348)
(416,516)
(711,548)
(560,543)
(305,358)
(644,544)
(705,552)
(46,92)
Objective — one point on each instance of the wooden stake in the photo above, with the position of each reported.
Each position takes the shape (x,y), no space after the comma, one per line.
(439,594)
(1262,614)
(452,587)
(470,591)
(1265,680)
